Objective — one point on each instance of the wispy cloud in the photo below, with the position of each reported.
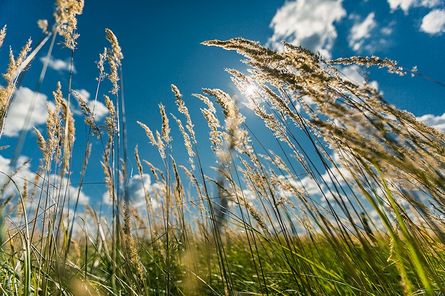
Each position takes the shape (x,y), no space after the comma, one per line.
(434,22)
(405,5)
(28,109)
(436,121)
(57,64)
(387,30)
(361,31)
(309,23)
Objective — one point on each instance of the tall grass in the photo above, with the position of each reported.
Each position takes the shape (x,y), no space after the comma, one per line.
(346,199)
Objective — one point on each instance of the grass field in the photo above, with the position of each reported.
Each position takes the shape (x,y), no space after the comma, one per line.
(350,203)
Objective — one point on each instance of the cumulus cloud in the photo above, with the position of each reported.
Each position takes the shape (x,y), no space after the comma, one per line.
(245,195)
(98,108)
(361,31)
(57,64)
(405,5)
(402,4)
(436,121)
(138,186)
(325,188)
(37,187)
(309,23)
(28,109)
(434,22)
(83,93)
(23,173)
(354,74)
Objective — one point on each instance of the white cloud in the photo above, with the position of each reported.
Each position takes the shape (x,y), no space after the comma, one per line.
(386,31)
(137,187)
(57,64)
(360,31)
(35,189)
(405,5)
(245,195)
(84,93)
(436,121)
(32,107)
(434,22)
(402,4)
(25,174)
(98,108)
(26,105)
(355,75)
(309,23)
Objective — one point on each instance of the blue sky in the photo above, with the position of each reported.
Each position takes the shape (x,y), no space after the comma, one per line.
(161,44)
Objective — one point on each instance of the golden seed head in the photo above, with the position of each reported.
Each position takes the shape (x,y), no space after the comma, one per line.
(184,110)
(100,64)
(2,35)
(115,47)
(149,133)
(66,20)
(165,125)
(43,25)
